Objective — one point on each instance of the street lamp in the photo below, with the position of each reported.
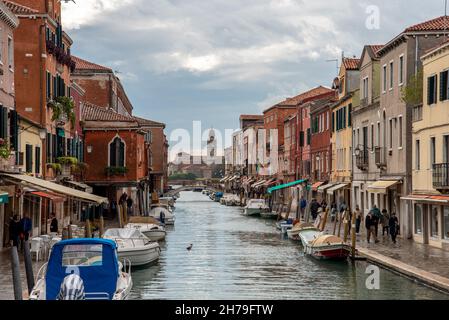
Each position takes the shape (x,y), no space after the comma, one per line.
(43,134)
(89,149)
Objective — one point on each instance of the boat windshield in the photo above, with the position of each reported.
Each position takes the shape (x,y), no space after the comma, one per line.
(310,235)
(82,255)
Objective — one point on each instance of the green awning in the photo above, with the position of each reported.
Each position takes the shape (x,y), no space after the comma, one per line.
(4,197)
(287,185)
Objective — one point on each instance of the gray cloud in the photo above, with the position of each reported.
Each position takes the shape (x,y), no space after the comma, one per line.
(213,60)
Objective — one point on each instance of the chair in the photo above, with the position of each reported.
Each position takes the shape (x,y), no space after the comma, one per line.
(36,246)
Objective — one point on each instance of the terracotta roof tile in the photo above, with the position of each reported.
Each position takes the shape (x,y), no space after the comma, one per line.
(437,24)
(95,113)
(82,64)
(19,9)
(251,117)
(376,48)
(147,122)
(305,96)
(351,63)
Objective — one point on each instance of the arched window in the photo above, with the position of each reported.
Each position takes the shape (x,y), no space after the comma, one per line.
(117,153)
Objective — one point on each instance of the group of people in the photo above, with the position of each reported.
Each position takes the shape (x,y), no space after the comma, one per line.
(20,229)
(389,223)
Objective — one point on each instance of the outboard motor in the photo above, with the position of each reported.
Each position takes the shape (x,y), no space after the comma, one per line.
(72,288)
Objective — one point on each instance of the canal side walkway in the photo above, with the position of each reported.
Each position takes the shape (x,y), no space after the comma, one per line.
(426,264)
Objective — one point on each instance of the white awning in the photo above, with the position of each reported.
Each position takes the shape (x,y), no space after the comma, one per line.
(84,186)
(337,187)
(382,186)
(58,188)
(322,189)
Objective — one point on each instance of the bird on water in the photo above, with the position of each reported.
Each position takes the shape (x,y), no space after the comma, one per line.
(190,247)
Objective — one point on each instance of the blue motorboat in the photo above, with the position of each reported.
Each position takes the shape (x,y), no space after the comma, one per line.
(93,262)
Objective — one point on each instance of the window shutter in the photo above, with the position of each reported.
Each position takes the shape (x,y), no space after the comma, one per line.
(301,139)
(54,148)
(333,121)
(344,117)
(309,137)
(29,158)
(14,130)
(37,162)
(349,115)
(48,147)
(121,154)
(112,154)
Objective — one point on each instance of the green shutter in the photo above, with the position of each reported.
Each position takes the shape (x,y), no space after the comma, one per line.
(350,115)
(309,137)
(37,162)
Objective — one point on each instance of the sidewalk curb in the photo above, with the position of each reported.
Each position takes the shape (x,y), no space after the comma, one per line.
(430,279)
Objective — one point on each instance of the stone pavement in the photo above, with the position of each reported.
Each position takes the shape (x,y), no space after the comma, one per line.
(418,261)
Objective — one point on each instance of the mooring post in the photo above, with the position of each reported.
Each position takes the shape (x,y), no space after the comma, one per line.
(69,232)
(28,266)
(16,274)
(353,235)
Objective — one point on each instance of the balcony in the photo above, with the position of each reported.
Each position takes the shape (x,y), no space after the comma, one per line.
(441,177)
(381,157)
(362,159)
(364,102)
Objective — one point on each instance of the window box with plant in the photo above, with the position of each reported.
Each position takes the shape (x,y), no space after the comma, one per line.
(115,171)
(56,167)
(63,107)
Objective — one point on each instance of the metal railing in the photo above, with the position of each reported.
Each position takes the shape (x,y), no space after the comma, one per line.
(380,156)
(441,176)
(362,159)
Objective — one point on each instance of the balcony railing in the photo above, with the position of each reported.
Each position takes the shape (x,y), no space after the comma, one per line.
(441,176)
(381,157)
(364,102)
(362,159)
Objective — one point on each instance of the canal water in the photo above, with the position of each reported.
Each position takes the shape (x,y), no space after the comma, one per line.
(238,257)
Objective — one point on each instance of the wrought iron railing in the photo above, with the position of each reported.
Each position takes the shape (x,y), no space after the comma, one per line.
(380,156)
(362,159)
(441,176)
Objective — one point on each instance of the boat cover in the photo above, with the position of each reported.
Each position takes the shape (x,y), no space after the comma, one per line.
(127,233)
(329,240)
(99,277)
(302,226)
(149,220)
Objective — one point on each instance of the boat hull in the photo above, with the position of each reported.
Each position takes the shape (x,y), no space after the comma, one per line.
(252,211)
(140,256)
(155,235)
(338,252)
(269,215)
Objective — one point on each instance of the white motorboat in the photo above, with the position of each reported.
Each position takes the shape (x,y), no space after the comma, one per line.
(269,215)
(256,207)
(134,246)
(293,233)
(92,261)
(152,231)
(157,210)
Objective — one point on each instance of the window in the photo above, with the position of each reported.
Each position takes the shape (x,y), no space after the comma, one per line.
(333,121)
(384,77)
(401,70)
(432,152)
(372,136)
(391,133)
(117,153)
(400,132)
(444,85)
(309,137)
(391,75)
(37,162)
(378,134)
(10,53)
(29,158)
(418,219)
(417,155)
(48,85)
(434,221)
(432,90)
(301,139)
(349,115)
(446,222)
(365,88)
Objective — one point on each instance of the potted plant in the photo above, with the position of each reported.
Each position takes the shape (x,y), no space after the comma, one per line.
(66,164)
(63,106)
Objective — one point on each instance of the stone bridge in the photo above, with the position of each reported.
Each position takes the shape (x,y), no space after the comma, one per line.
(171,193)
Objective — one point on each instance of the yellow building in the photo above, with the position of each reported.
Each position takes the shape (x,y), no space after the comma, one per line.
(29,158)
(430,142)
(347,83)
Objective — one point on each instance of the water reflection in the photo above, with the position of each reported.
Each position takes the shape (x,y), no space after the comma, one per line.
(238,257)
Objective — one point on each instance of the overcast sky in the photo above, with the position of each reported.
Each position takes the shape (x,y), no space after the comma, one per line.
(212,60)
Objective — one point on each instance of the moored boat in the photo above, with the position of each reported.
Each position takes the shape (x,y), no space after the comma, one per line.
(149,226)
(255,207)
(159,210)
(134,246)
(268,215)
(93,261)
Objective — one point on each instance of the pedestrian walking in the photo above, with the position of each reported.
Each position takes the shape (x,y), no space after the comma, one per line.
(358,219)
(25,229)
(377,215)
(385,222)
(54,223)
(393,225)
(333,212)
(314,206)
(14,230)
(129,204)
(302,206)
(370,227)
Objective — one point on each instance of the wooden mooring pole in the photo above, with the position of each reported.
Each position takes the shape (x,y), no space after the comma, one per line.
(28,266)
(15,267)
(353,236)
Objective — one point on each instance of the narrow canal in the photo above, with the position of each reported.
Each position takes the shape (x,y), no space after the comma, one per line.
(237,257)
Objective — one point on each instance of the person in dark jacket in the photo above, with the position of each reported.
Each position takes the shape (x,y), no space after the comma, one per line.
(393,225)
(129,204)
(358,219)
(27,226)
(370,222)
(14,230)
(314,206)
(54,223)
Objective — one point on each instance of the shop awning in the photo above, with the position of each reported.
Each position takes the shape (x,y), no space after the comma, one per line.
(49,196)
(249,181)
(50,186)
(232,179)
(337,187)
(322,189)
(80,185)
(259,184)
(316,185)
(287,185)
(4,197)
(382,186)
(427,198)
(224,179)
(270,183)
